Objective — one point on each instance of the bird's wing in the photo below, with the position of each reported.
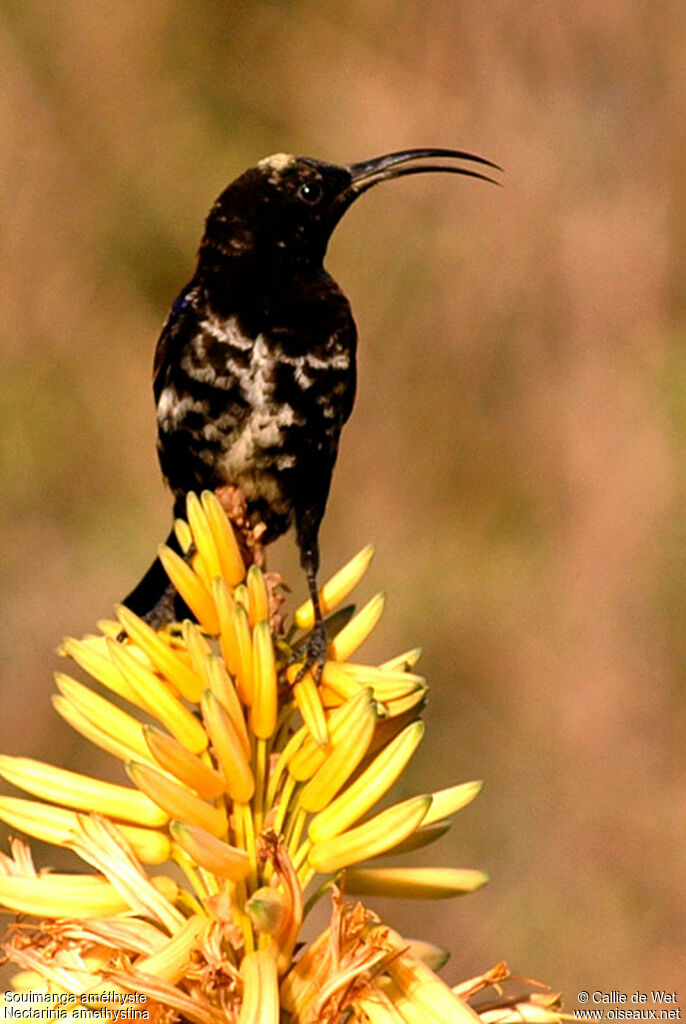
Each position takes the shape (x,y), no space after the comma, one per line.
(348,397)
(181,316)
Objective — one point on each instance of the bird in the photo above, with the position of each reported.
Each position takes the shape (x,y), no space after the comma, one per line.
(255,369)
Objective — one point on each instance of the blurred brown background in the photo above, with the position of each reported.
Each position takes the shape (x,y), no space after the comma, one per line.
(517,447)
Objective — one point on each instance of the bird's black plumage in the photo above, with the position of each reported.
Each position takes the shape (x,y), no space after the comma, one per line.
(254,372)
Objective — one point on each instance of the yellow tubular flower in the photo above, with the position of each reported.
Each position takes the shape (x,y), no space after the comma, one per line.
(190,587)
(426,991)
(54,895)
(341,762)
(176,800)
(108,627)
(242,597)
(230,558)
(82,792)
(176,759)
(264,706)
(244,668)
(229,750)
(309,703)
(345,680)
(409,1012)
(445,802)
(311,755)
(159,700)
(413,883)
(211,853)
(171,962)
(374,837)
(202,537)
(358,629)
(161,655)
(260,989)
(93,658)
(198,567)
(226,615)
(91,732)
(378,1009)
(57,825)
(222,687)
(405,662)
(371,786)
(197,645)
(183,535)
(429,953)
(414,701)
(336,589)
(103,714)
(258,598)
(388,684)
(376,674)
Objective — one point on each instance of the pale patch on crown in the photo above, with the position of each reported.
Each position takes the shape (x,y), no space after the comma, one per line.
(277,162)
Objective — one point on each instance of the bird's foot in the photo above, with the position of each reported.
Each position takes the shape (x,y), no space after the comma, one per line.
(315,653)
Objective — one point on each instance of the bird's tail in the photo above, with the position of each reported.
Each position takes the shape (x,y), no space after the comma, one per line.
(154,598)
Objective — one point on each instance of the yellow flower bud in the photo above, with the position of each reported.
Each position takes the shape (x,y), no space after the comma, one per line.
(358,629)
(211,853)
(190,587)
(165,660)
(336,589)
(60,786)
(228,748)
(258,597)
(230,559)
(264,706)
(374,837)
(176,800)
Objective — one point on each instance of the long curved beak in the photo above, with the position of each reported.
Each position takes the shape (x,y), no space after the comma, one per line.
(396,165)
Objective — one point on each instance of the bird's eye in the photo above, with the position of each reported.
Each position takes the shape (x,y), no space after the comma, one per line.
(310,192)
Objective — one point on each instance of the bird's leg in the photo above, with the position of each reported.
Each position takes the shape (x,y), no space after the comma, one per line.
(318,640)
(308,517)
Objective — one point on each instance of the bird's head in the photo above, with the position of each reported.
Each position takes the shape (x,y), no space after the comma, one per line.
(282,212)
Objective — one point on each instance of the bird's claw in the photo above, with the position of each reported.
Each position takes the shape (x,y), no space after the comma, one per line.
(315,653)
